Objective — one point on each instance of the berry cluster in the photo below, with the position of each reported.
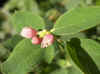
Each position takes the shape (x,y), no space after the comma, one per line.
(44,38)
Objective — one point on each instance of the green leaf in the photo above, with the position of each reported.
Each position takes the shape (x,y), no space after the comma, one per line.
(22,5)
(81,58)
(23,59)
(49,54)
(70,70)
(98,38)
(55,1)
(31,5)
(10,5)
(78,35)
(72,3)
(12,42)
(60,71)
(93,49)
(73,70)
(77,20)
(2,18)
(89,2)
(97,2)
(26,18)
(3,52)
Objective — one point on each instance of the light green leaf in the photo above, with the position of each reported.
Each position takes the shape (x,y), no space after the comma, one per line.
(77,20)
(30,6)
(22,19)
(23,59)
(72,3)
(89,2)
(81,58)
(49,54)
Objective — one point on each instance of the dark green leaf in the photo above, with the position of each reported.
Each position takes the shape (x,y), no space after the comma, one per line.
(97,2)
(12,42)
(60,71)
(3,52)
(82,59)
(92,48)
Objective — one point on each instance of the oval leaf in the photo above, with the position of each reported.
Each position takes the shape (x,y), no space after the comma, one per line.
(49,54)
(77,20)
(22,19)
(81,58)
(23,59)
(93,49)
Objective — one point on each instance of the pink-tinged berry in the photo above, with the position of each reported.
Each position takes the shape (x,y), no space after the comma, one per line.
(28,32)
(47,40)
(36,40)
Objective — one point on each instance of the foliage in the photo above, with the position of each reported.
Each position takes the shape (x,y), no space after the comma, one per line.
(74,25)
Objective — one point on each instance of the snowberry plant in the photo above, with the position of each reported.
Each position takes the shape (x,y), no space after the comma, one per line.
(57,48)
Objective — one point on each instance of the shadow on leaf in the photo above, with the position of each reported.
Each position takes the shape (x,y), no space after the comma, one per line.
(81,57)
